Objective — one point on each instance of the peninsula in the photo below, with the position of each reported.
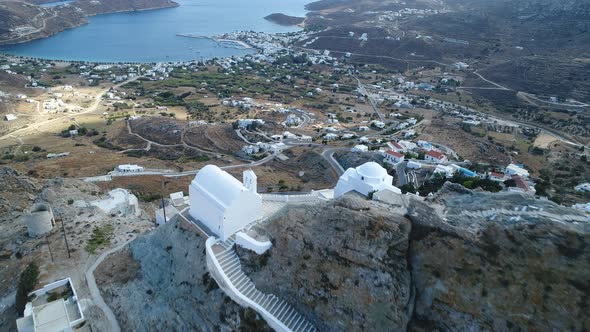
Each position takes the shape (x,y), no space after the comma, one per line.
(283,19)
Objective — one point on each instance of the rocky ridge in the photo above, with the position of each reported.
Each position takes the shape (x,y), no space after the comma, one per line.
(352,264)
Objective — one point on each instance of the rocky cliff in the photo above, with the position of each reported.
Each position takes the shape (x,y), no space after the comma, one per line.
(461,260)
(499,262)
(161,283)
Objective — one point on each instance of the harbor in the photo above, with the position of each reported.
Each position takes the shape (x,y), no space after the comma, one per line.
(231,43)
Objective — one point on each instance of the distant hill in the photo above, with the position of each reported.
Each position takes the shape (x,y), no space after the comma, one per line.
(21,21)
(283,19)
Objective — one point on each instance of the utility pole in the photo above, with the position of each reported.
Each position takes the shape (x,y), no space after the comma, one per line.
(162,195)
(63,229)
(49,247)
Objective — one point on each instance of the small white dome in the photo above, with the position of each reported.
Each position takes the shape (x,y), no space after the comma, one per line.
(371,170)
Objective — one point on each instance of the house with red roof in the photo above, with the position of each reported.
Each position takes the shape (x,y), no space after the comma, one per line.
(522,185)
(435,157)
(393,157)
(395,146)
(494,176)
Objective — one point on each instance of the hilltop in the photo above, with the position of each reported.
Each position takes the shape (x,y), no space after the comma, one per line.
(353,264)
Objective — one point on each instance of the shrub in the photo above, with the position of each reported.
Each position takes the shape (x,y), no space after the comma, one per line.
(26,284)
(100,236)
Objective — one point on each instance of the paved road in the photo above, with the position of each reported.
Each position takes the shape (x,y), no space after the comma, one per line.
(328,154)
(400,170)
(95,292)
(364,92)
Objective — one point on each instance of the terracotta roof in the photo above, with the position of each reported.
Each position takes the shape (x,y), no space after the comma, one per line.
(396,145)
(521,183)
(435,154)
(395,154)
(497,175)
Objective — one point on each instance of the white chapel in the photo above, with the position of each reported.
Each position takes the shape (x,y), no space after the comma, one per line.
(222,203)
(367,178)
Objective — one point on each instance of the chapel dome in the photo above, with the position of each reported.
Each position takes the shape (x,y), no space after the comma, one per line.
(372,170)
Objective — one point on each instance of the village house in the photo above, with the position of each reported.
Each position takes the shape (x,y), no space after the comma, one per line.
(130,168)
(393,157)
(360,148)
(251,149)
(521,185)
(499,177)
(407,145)
(435,157)
(394,146)
(514,169)
(43,313)
(9,117)
(446,171)
(424,145)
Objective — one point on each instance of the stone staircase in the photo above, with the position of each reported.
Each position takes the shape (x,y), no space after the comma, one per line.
(279,310)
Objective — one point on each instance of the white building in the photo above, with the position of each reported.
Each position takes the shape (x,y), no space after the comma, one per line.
(251,149)
(130,168)
(9,117)
(393,157)
(407,145)
(360,148)
(394,146)
(514,169)
(367,178)
(293,120)
(447,171)
(63,314)
(435,157)
(331,137)
(272,147)
(162,218)
(378,124)
(583,187)
(178,199)
(245,123)
(222,203)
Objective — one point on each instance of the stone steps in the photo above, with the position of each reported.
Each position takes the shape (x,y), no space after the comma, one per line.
(279,309)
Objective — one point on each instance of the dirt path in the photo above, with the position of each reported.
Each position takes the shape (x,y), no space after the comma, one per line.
(91,109)
(95,292)
(34,19)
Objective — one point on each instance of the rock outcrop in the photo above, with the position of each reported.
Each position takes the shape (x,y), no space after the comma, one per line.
(499,262)
(461,260)
(342,264)
(161,283)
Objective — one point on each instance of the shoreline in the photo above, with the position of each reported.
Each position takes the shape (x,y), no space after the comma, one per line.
(223,42)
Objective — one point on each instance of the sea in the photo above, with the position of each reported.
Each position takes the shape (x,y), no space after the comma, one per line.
(151,36)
